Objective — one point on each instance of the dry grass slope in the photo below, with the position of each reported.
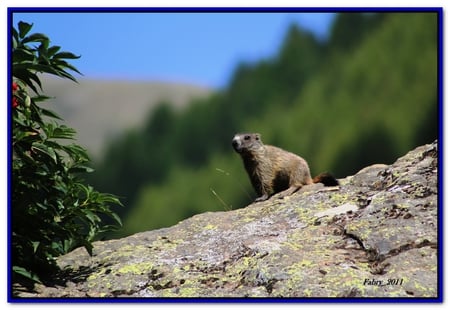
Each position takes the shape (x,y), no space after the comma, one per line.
(100,110)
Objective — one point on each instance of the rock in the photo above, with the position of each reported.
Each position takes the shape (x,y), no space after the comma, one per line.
(373,236)
(346,207)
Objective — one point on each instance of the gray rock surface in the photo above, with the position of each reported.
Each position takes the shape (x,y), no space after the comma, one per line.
(373,236)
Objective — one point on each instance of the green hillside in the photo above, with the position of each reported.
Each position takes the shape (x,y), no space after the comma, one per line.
(367,95)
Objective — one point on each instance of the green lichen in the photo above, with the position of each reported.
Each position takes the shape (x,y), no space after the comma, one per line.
(307,292)
(361,227)
(306,263)
(424,291)
(339,198)
(165,243)
(183,291)
(345,279)
(138,268)
(210,227)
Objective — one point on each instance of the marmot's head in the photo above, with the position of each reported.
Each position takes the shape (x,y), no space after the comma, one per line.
(246,142)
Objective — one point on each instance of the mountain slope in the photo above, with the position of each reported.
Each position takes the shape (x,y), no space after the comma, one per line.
(101,110)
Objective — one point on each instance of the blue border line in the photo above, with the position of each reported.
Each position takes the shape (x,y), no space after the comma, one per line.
(221,9)
(438,299)
(9,153)
(230,300)
(440,65)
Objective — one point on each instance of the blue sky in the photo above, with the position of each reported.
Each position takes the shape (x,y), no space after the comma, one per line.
(197,48)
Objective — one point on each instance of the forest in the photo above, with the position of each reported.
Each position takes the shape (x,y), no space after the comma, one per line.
(366,95)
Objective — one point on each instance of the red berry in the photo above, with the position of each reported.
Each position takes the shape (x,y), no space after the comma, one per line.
(15,103)
(15,86)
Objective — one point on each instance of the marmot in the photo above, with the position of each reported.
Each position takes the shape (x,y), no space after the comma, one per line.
(273,170)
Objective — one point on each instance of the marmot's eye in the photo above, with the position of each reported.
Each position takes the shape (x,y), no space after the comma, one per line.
(247,137)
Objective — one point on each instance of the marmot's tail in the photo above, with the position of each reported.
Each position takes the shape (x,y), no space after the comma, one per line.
(326,179)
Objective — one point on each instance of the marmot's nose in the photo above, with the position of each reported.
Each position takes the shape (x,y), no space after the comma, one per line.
(235,144)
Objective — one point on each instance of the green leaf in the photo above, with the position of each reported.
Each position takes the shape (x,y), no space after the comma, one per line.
(91,216)
(56,245)
(53,144)
(53,50)
(41,98)
(24,134)
(88,246)
(14,42)
(24,28)
(111,199)
(44,149)
(27,274)
(44,47)
(116,218)
(107,228)
(35,78)
(56,131)
(35,37)
(15,36)
(81,169)
(21,73)
(61,64)
(76,151)
(68,245)
(81,187)
(49,113)
(21,55)
(35,245)
(61,188)
(66,55)
(63,132)
(37,67)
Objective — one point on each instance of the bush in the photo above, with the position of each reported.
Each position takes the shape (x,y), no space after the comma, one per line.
(52,210)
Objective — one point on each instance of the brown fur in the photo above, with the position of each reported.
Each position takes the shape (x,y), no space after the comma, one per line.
(273,170)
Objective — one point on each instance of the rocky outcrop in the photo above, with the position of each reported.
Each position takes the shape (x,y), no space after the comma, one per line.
(373,236)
